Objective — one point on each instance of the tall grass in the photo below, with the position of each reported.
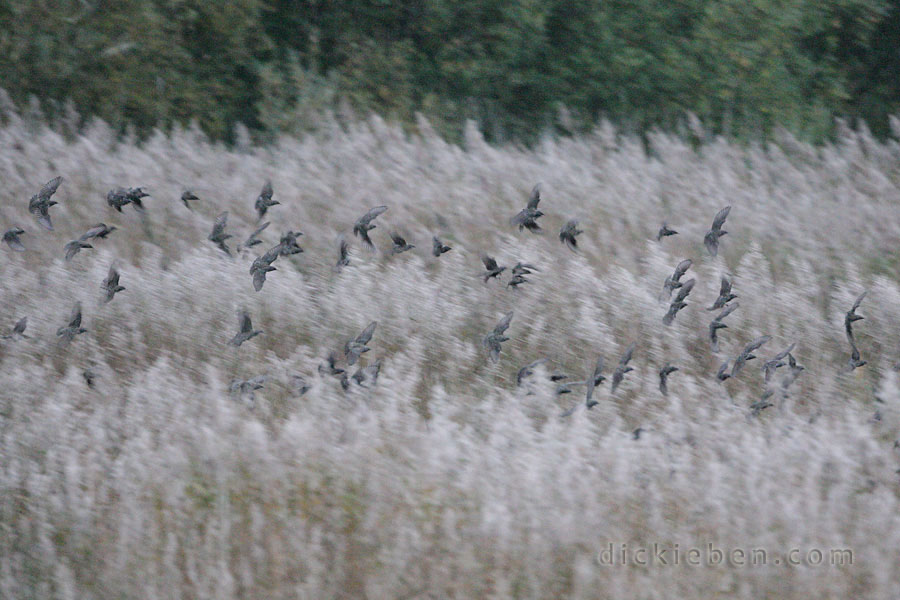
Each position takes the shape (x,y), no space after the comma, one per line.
(444,479)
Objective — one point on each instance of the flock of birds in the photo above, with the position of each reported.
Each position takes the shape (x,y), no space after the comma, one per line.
(527,219)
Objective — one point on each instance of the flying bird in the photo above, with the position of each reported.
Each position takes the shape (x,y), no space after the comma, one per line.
(622,368)
(40,203)
(722,374)
(855,360)
(528,216)
(438,247)
(725,295)
(679,302)
(253,240)
(74,247)
(493,340)
(111,284)
(18,330)
(595,379)
(399,244)
(119,197)
(264,201)
(218,235)
(664,378)
(711,240)
(568,234)
(717,324)
(493,270)
(673,281)
(100,230)
(187,196)
(329,368)
(363,225)
(852,317)
(344,259)
(664,231)
(289,245)
(11,237)
(775,362)
(523,268)
(367,375)
(747,354)
(516,281)
(357,346)
(245,329)
(528,371)
(74,327)
(263,265)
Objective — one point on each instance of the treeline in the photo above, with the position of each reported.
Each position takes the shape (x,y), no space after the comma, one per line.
(518,67)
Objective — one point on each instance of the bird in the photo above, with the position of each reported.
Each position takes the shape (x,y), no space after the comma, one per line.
(776,361)
(794,371)
(568,234)
(528,371)
(100,230)
(622,367)
(343,249)
(288,244)
(245,329)
(264,201)
(595,379)
(747,354)
(329,368)
(523,268)
(11,237)
(516,281)
(187,196)
(136,195)
(493,340)
(218,235)
(301,386)
(679,302)
(89,377)
(528,216)
(240,387)
(717,324)
(111,283)
(74,327)
(367,375)
(711,240)
(855,360)
(725,295)
(74,247)
(39,204)
(357,346)
(722,374)
(262,265)
(253,240)
(673,281)
(119,197)
(664,231)
(363,225)
(493,270)
(438,247)
(18,330)
(763,403)
(399,244)
(851,317)
(664,376)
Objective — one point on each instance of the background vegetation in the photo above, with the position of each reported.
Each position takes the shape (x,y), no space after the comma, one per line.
(518,67)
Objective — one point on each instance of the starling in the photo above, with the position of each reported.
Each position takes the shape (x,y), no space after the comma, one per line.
(664,231)
(528,216)
(100,230)
(363,225)
(111,284)
(11,237)
(246,330)
(493,270)
(664,377)
(747,354)
(218,235)
(568,234)
(74,247)
(264,201)
(74,327)
(357,346)
(622,368)
(187,196)
(399,244)
(344,259)
(253,240)
(493,340)
(725,295)
(40,203)
(711,240)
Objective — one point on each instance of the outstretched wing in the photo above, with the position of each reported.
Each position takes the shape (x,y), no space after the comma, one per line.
(535,197)
(366,335)
(720,217)
(503,325)
(369,216)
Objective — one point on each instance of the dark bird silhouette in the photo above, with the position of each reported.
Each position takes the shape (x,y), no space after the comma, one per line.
(747,354)
(74,327)
(253,240)
(717,324)
(523,268)
(528,216)
(100,231)
(528,371)
(852,317)
(711,240)
(855,360)
(74,247)
(770,366)
(596,378)
(516,281)
(568,234)
(344,250)
(673,281)
(218,235)
(399,244)
(264,201)
(762,404)
(328,367)
(725,295)
(39,204)
(438,247)
(723,373)
(794,371)
(493,270)
(622,368)
(367,375)
(664,378)
(11,237)
(289,245)
(664,231)
(263,265)
(18,330)
(119,197)
(187,197)
(363,225)
(111,284)
(357,346)
(493,340)
(245,329)
(136,195)
(679,302)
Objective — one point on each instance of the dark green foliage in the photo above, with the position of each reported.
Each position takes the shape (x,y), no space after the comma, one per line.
(512,65)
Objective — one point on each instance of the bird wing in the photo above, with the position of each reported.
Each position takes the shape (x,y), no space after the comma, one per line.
(246,326)
(49,188)
(369,216)
(489,263)
(727,311)
(219,224)
(720,217)
(755,344)
(503,325)
(257,232)
(535,197)
(366,335)
(398,241)
(725,288)
(682,268)
(267,190)
(627,356)
(75,321)
(859,301)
